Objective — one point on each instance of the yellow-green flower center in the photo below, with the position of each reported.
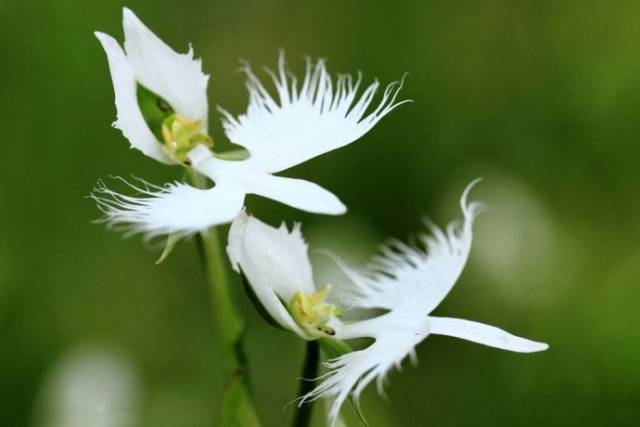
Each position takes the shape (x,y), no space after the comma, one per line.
(181,135)
(312,312)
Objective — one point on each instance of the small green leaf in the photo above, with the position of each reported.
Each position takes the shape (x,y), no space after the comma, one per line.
(168,248)
(334,348)
(235,155)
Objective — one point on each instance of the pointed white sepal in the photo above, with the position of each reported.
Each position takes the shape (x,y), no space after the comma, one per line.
(129,119)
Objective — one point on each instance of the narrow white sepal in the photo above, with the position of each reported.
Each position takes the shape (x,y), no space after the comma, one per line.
(307,120)
(484,334)
(129,117)
(275,262)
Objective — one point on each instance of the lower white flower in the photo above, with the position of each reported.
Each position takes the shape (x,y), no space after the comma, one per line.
(407,282)
(161,101)
(276,264)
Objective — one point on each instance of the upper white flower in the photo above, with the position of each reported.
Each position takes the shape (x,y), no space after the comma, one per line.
(408,283)
(306,120)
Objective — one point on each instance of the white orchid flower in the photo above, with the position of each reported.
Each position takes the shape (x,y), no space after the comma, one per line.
(407,283)
(305,121)
(276,264)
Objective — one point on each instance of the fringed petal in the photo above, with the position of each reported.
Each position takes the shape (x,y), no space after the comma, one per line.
(308,120)
(404,276)
(396,334)
(177,208)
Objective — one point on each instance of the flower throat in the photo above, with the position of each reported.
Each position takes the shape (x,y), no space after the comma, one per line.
(178,134)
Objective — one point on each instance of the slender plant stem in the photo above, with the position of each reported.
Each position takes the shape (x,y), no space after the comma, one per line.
(229,324)
(237,406)
(307,383)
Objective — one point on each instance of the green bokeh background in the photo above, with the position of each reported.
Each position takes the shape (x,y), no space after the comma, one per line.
(540,98)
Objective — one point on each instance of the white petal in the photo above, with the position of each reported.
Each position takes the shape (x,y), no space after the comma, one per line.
(404,276)
(396,334)
(130,120)
(178,78)
(483,334)
(173,209)
(298,193)
(275,262)
(306,121)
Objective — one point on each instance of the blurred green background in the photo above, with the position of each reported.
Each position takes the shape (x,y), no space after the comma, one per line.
(540,98)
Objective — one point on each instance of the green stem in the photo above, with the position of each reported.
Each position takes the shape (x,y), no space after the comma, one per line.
(237,406)
(229,324)
(309,374)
